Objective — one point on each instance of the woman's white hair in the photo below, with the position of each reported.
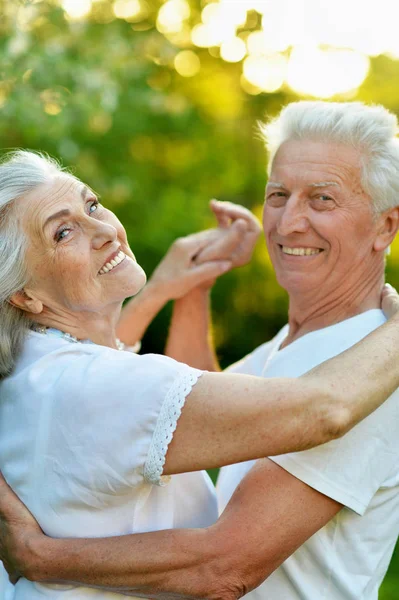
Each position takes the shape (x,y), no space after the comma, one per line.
(20,173)
(370,129)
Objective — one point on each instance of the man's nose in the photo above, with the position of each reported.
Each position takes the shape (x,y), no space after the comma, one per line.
(102,234)
(293,217)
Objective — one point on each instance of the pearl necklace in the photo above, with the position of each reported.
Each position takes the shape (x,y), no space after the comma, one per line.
(67,336)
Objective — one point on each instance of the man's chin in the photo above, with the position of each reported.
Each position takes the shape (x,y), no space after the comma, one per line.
(294,283)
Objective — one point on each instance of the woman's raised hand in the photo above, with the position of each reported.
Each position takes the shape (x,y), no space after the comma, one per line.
(389,301)
(229,216)
(197,260)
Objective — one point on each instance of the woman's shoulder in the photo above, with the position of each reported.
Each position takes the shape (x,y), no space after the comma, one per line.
(87,366)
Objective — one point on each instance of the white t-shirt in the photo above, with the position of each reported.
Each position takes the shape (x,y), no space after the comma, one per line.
(84,431)
(348,558)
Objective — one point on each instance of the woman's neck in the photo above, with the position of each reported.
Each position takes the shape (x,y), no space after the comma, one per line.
(98,328)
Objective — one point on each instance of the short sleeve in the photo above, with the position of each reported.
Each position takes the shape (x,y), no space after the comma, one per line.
(116,413)
(351,469)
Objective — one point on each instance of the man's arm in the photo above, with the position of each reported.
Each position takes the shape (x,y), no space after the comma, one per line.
(190,334)
(262,525)
(269,516)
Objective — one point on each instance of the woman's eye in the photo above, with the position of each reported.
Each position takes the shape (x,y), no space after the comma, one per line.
(93,206)
(60,235)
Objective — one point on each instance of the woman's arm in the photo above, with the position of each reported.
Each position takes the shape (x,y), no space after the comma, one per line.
(176,275)
(192,262)
(276,416)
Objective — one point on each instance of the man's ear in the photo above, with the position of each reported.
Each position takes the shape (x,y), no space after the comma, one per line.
(26,302)
(387,229)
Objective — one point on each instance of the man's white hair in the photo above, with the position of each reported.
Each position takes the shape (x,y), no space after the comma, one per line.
(20,173)
(370,129)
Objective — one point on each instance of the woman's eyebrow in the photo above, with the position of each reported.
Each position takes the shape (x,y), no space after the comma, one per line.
(65,212)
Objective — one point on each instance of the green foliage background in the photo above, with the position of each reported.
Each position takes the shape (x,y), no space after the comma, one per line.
(103,96)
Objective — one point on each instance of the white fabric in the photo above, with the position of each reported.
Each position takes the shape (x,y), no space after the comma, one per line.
(83,438)
(347,559)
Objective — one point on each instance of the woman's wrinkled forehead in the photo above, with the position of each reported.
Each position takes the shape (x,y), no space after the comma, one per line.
(37,206)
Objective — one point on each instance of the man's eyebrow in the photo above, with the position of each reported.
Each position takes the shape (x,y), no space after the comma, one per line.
(275,184)
(321,184)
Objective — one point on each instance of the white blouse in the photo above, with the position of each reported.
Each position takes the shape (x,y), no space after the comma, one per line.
(84,431)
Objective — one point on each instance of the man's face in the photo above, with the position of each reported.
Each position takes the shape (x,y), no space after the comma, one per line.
(318,222)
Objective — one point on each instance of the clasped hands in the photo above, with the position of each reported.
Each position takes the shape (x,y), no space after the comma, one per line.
(197,260)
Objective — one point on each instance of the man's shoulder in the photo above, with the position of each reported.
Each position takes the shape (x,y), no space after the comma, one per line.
(254,362)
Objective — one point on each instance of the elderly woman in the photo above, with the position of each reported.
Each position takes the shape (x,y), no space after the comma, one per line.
(86,428)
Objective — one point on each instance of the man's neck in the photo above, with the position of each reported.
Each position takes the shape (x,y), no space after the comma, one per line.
(305,316)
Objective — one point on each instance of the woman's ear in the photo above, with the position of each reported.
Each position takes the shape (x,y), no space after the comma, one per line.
(387,229)
(26,302)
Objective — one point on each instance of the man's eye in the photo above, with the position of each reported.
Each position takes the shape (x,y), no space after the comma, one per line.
(324,197)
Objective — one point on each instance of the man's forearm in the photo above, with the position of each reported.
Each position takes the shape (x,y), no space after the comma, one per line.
(190,337)
(176,564)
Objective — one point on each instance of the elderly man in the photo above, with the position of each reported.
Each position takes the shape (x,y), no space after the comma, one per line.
(330,214)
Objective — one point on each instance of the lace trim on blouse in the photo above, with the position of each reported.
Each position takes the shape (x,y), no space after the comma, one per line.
(166,426)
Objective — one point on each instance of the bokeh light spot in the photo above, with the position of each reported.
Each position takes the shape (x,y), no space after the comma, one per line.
(125,9)
(233,50)
(265,72)
(187,63)
(171,16)
(76,9)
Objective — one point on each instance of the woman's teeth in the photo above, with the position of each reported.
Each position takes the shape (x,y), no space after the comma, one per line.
(113,263)
(300,251)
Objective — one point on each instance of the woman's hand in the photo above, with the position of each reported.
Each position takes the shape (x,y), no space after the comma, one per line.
(178,273)
(229,215)
(389,301)
(190,267)
(17,529)
(198,259)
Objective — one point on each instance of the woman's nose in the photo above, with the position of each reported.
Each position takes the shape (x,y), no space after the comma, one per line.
(293,218)
(103,233)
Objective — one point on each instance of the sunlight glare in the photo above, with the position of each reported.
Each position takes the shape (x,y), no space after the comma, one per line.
(233,50)
(171,16)
(126,9)
(266,73)
(325,73)
(76,9)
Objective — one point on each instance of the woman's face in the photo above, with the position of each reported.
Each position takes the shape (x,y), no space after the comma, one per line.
(78,256)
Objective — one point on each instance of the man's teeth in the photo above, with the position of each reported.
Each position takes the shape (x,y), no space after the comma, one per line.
(115,261)
(300,251)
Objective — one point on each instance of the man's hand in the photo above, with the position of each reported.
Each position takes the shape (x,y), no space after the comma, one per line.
(178,273)
(389,301)
(196,260)
(229,216)
(17,528)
